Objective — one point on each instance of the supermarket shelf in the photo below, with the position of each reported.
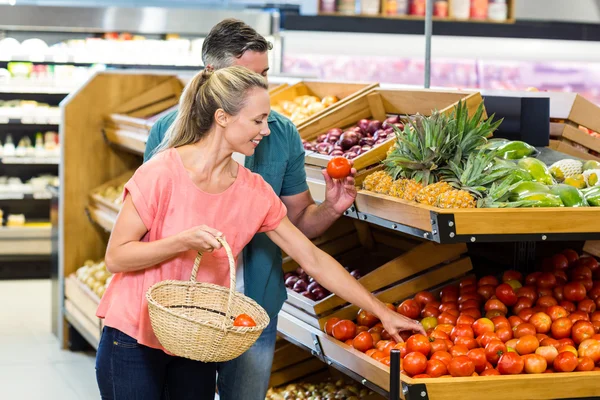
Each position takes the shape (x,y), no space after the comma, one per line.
(411,26)
(101,218)
(33,121)
(80,309)
(25,241)
(25,196)
(88,61)
(129,141)
(30,160)
(36,89)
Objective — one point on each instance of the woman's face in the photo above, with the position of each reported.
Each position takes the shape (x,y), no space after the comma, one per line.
(249,127)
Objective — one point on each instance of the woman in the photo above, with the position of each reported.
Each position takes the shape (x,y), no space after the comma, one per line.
(175,205)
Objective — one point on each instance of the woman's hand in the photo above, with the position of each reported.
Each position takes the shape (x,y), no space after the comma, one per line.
(394,323)
(201,238)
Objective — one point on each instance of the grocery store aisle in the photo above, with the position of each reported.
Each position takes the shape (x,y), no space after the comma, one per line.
(32,367)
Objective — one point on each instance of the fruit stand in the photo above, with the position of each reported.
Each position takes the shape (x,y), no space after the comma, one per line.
(392,240)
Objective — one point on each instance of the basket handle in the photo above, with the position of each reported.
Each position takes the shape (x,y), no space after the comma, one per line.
(231,275)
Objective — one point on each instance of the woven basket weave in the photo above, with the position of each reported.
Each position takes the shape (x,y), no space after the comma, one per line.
(195,320)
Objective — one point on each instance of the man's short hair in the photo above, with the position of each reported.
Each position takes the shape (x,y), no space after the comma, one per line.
(230,39)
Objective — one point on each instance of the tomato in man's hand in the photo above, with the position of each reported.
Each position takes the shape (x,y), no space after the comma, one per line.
(339,168)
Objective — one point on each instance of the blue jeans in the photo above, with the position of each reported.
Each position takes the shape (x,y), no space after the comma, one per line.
(126,370)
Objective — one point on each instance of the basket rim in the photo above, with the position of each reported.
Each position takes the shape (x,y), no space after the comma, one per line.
(228,328)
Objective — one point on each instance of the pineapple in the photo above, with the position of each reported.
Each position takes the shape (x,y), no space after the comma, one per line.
(591,177)
(371,181)
(564,169)
(471,132)
(429,194)
(456,199)
(405,189)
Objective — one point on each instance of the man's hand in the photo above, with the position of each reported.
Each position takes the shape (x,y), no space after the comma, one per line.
(339,194)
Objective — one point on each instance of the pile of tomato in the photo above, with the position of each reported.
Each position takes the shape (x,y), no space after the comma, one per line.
(544,322)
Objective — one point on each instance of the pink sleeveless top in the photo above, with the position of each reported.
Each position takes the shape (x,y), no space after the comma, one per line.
(168,202)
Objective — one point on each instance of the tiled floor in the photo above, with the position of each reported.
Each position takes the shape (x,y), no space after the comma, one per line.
(32,366)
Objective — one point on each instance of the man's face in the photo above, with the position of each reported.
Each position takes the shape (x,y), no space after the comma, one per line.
(255,61)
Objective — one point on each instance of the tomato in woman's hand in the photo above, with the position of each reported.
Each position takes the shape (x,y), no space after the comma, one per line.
(414,363)
(510,364)
(461,366)
(339,167)
(565,362)
(244,320)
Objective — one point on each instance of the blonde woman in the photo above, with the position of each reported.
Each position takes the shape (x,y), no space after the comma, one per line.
(190,192)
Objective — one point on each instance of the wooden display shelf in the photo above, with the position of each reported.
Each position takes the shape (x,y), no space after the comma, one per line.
(574,109)
(292,363)
(418,18)
(571,140)
(478,225)
(102,218)
(99,202)
(81,305)
(345,92)
(379,104)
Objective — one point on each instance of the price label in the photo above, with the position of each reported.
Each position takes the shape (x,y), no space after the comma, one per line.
(3,120)
(12,196)
(28,120)
(42,196)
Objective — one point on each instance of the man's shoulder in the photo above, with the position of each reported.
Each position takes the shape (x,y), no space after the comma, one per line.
(286,130)
(164,122)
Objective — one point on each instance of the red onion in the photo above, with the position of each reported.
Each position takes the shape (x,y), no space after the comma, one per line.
(356,129)
(350,155)
(334,131)
(308,295)
(300,286)
(355,149)
(367,141)
(291,281)
(313,285)
(332,139)
(363,124)
(365,148)
(287,275)
(356,274)
(324,148)
(381,140)
(374,126)
(338,146)
(348,139)
(336,153)
(318,294)
(322,138)
(390,121)
(309,146)
(400,125)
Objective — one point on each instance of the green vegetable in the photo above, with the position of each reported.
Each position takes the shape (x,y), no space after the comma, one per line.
(537,169)
(569,195)
(543,200)
(592,196)
(523,189)
(515,150)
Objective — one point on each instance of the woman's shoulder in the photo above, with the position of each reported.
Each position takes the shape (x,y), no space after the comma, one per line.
(254,181)
(159,167)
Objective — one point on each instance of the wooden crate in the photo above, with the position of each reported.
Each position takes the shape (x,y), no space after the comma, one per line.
(379,104)
(82,304)
(291,363)
(573,141)
(97,201)
(393,262)
(342,90)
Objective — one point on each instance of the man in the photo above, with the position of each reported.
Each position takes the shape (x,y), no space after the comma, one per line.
(280,161)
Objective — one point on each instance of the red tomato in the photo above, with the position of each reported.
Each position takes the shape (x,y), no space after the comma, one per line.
(527,292)
(349,342)
(376,336)
(414,363)
(409,308)
(339,168)
(486,291)
(500,322)
(449,297)
(550,342)
(574,291)
(483,325)
(514,321)
(436,368)
(467,290)
(487,337)
(596,327)
(471,280)
(548,352)
(505,334)
(561,328)
(541,321)
(459,350)
(589,262)
(590,348)
(494,350)
(546,301)
(588,284)
(418,343)
(535,364)
(365,318)
(439,334)
(546,280)
(527,344)
(381,344)
(370,353)
(531,279)
(526,313)
(377,355)
(556,312)
(472,312)
(490,372)
(522,304)
(442,356)
(461,366)
(489,280)
(560,261)
(361,328)
(363,342)
(524,329)
(595,316)
(344,330)
(465,320)
(462,330)
(585,364)
(449,305)
(506,294)
(561,278)
(424,298)
(387,349)
(438,345)
(567,305)
(478,358)
(495,304)
(469,303)
(545,292)
(594,293)
(446,318)
(581,331)
(581,272)
(402,347)
(510,364)
(329,325)
(587,306)
(446,328)
(430,311)
(469,343)
(565,341)
(565,362)
(571,256)
(512,276)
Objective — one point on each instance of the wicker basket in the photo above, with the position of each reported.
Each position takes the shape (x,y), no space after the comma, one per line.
(195,320)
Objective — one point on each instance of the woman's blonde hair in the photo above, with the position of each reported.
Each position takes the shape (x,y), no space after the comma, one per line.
(208,91)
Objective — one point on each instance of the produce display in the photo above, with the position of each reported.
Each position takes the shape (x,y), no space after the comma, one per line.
(300,282)
(355,140)
(319,391)
(544,322)
(95,276)
(303,107)
(448,161)
(113,194)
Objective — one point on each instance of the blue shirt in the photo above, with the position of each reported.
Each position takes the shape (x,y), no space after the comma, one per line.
(279,159)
